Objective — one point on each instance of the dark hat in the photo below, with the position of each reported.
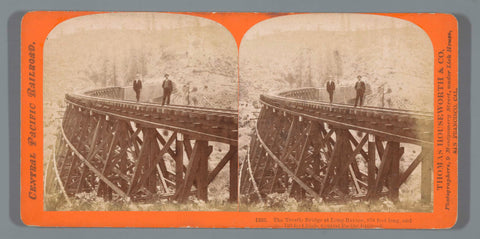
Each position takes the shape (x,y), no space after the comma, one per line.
(166,75)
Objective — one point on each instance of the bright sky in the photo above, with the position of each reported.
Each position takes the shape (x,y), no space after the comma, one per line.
(326,22)
(130,21)
(165,21)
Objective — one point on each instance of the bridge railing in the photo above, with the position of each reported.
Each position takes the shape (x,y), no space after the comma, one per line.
(200,122)
(109,92)
(302,93)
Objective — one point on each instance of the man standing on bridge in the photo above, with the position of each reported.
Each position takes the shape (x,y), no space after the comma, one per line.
(330,88)
(360,88)
(167,86)
(137,86)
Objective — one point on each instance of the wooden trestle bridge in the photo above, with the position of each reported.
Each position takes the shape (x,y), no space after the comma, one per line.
(311,149)
(120,149)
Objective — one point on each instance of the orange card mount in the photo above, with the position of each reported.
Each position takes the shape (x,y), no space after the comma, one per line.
(244,120)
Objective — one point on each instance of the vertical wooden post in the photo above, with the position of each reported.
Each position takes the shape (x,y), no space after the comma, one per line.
(123,142)
(371,166)
(427,176)
(152,179)
(234,175)
(344,152)
(396,154)
(316,165)
(202,171)
(384,168)
(178,162)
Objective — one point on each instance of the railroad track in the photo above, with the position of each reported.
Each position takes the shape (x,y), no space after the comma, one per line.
(308,148)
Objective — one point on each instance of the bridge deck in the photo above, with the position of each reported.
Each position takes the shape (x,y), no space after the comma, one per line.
(199,122)
(407,126)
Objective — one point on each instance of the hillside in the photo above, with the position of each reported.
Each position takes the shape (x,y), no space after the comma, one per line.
(399,61)
(99,58)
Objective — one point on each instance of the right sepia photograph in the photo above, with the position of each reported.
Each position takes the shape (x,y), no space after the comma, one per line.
(336,115)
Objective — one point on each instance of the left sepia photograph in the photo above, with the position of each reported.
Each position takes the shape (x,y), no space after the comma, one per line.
(140,113)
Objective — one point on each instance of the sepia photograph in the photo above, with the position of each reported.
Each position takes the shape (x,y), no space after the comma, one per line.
(336,115)
(140,113)
(239,120)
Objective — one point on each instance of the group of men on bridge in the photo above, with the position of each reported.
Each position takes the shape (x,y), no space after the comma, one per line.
(167,87)
(359,88)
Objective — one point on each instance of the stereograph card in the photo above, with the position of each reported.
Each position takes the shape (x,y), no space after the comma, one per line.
(244,120)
